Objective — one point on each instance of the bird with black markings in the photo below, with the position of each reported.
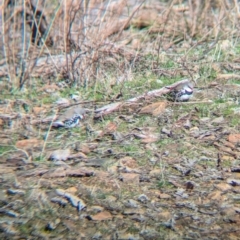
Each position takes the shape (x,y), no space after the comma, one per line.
(181,93)
(71,118)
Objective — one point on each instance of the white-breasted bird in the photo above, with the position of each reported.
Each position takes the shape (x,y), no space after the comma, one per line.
(70,118)
(181,93)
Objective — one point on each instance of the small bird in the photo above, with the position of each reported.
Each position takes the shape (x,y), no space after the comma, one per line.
(181,93)
(74,121)
(70,118)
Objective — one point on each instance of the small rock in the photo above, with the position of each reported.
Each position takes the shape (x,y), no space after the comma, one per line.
(218,120)
(97,236)
(187,124)
(169,224)
(130,203)
(15,191)
(233,182)
(143,198)
(59,155)
(181,193)
(52,225)
(166,131)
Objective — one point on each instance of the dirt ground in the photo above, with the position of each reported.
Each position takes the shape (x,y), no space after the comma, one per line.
(146,169)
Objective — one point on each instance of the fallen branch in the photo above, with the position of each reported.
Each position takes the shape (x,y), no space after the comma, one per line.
(105,110)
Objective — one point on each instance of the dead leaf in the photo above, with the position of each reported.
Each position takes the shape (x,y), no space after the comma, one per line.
(78,155)
(110,128)
(84,149)
(164,196)
(128,162)
(165,215)
(155,108)
(223,187)
(227,76)
(131,178)
(234,138)
(149,140)
(29,143)
(71,190)
(38,110)
(216,195)
(102,216)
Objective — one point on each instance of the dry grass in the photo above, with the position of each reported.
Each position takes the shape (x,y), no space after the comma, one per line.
(81,41)
(179,155)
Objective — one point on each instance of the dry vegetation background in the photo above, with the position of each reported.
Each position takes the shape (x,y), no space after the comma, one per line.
(80,40)
(152,169)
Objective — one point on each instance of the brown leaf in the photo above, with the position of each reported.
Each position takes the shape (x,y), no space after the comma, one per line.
(78,155)
(155,108)
(84,149)
(128,161)
(102,216)
(228,76)
(38,110)
(149,140)
(71,190)
(234,138)
(29,143)
(110,128)
(164,196)
(131,178)
(223,187)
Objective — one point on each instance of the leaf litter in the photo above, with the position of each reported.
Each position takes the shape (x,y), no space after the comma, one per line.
(137,169)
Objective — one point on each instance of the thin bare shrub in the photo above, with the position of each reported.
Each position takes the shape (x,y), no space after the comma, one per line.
(81,41)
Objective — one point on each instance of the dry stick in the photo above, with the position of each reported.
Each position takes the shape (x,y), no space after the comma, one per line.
(44,45)
(105,110)
(2,19)
(129,19)
(23,59)
(48,131)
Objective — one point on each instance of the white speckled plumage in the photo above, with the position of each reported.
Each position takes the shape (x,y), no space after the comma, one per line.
(181,93)
(71,118)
